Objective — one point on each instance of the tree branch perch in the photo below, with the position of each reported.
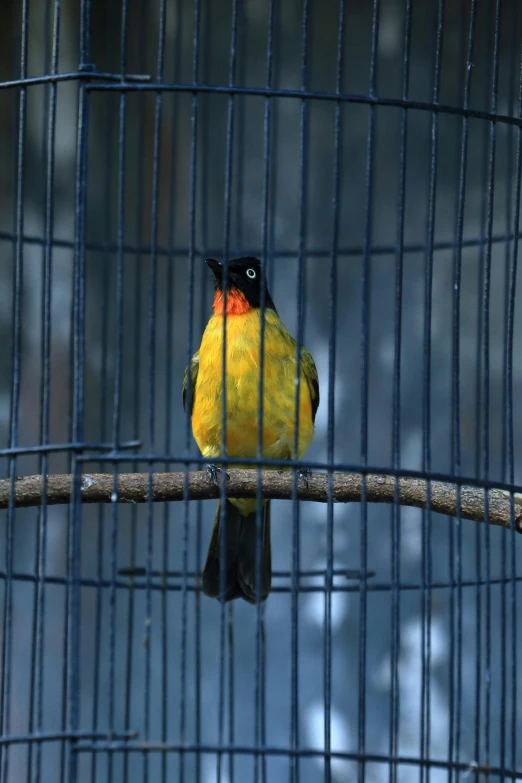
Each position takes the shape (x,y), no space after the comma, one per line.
(347,488)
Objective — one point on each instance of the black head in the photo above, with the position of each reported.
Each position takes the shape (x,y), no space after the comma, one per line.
(246,275)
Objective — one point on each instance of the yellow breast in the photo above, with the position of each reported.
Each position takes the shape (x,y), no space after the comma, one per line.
(242,390)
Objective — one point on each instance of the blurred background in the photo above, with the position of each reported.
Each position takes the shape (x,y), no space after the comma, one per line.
(101,336)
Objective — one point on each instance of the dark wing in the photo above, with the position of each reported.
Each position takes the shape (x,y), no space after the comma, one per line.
(312,379)
(194,367)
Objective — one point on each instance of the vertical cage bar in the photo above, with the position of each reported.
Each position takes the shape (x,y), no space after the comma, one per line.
(74,553)
(203,113)
(487,382)
(36,600)
(274,134)
(45,391)
(227,214)
(152,333)
(301,292)
(426,605)
(332,353)
(14,413)
(136,412)
(480,409)
(396,410)
(190,347)
(507,420)
(169,419)
(268,207)
(122,180)
(364,381)
(510,432)
(104,429)
(455,450)
(456,321)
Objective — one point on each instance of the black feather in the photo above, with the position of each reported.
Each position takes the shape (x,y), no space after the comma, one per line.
(241,546)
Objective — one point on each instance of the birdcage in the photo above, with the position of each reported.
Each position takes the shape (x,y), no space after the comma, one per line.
(368,154)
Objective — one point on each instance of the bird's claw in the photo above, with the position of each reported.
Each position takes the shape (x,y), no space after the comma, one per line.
(304,474)
(213,474)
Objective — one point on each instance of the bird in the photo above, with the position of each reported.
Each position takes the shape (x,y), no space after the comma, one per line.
(245,282)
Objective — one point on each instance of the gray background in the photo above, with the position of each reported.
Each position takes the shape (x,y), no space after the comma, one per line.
(163,630)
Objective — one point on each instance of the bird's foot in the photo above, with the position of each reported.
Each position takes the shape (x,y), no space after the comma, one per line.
(213,474)
(304,474)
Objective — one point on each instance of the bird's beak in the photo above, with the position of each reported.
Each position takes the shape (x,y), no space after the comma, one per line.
(217,269)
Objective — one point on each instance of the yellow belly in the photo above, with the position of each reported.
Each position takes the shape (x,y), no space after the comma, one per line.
(242,390)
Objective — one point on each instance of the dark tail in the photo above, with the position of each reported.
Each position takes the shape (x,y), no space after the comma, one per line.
(241,545)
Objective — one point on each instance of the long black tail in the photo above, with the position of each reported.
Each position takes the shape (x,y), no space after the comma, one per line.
(241,544)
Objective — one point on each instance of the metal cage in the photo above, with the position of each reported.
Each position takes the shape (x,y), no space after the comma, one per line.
(369,153)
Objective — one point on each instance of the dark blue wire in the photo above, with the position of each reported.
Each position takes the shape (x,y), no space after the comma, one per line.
(487,390)
(274,62)
(41,549)
(260,683)
(137,406)
(36,597)
(238,175)
(396,409)
(152,329)
(260,416)
(170,402)
(426,559)
(301,292)
(478,422)
(104,410)
(203,113)
(507,421)
(371,99)
(481,404)
(85,36)
(190,347)
(332,352)
(365,343)
(118,379)
(71,461)
(16,361)
(132,582)
(199,551)
(511,442)
(117,746)
(457,278)
(318,253)
(137,366)
(74,553)
(227,213)
(71,637)
(239,167)
(455,453)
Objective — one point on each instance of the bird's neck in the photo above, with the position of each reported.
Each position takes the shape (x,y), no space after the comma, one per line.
(236,303)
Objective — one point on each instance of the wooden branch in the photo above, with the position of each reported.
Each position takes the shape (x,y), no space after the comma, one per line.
(347,488)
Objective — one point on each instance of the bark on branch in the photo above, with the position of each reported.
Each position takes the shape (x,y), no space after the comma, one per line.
(347,488)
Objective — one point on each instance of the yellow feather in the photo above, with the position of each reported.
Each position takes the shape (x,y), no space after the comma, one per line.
(242,391)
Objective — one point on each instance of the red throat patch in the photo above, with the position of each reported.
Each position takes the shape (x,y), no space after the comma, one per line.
(237,303)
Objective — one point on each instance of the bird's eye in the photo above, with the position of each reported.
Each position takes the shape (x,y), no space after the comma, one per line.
(251,273)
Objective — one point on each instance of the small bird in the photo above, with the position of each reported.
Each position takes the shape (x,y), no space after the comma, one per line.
(245,282)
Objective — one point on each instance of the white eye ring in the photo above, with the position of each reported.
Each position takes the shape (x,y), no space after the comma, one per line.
(251,273)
